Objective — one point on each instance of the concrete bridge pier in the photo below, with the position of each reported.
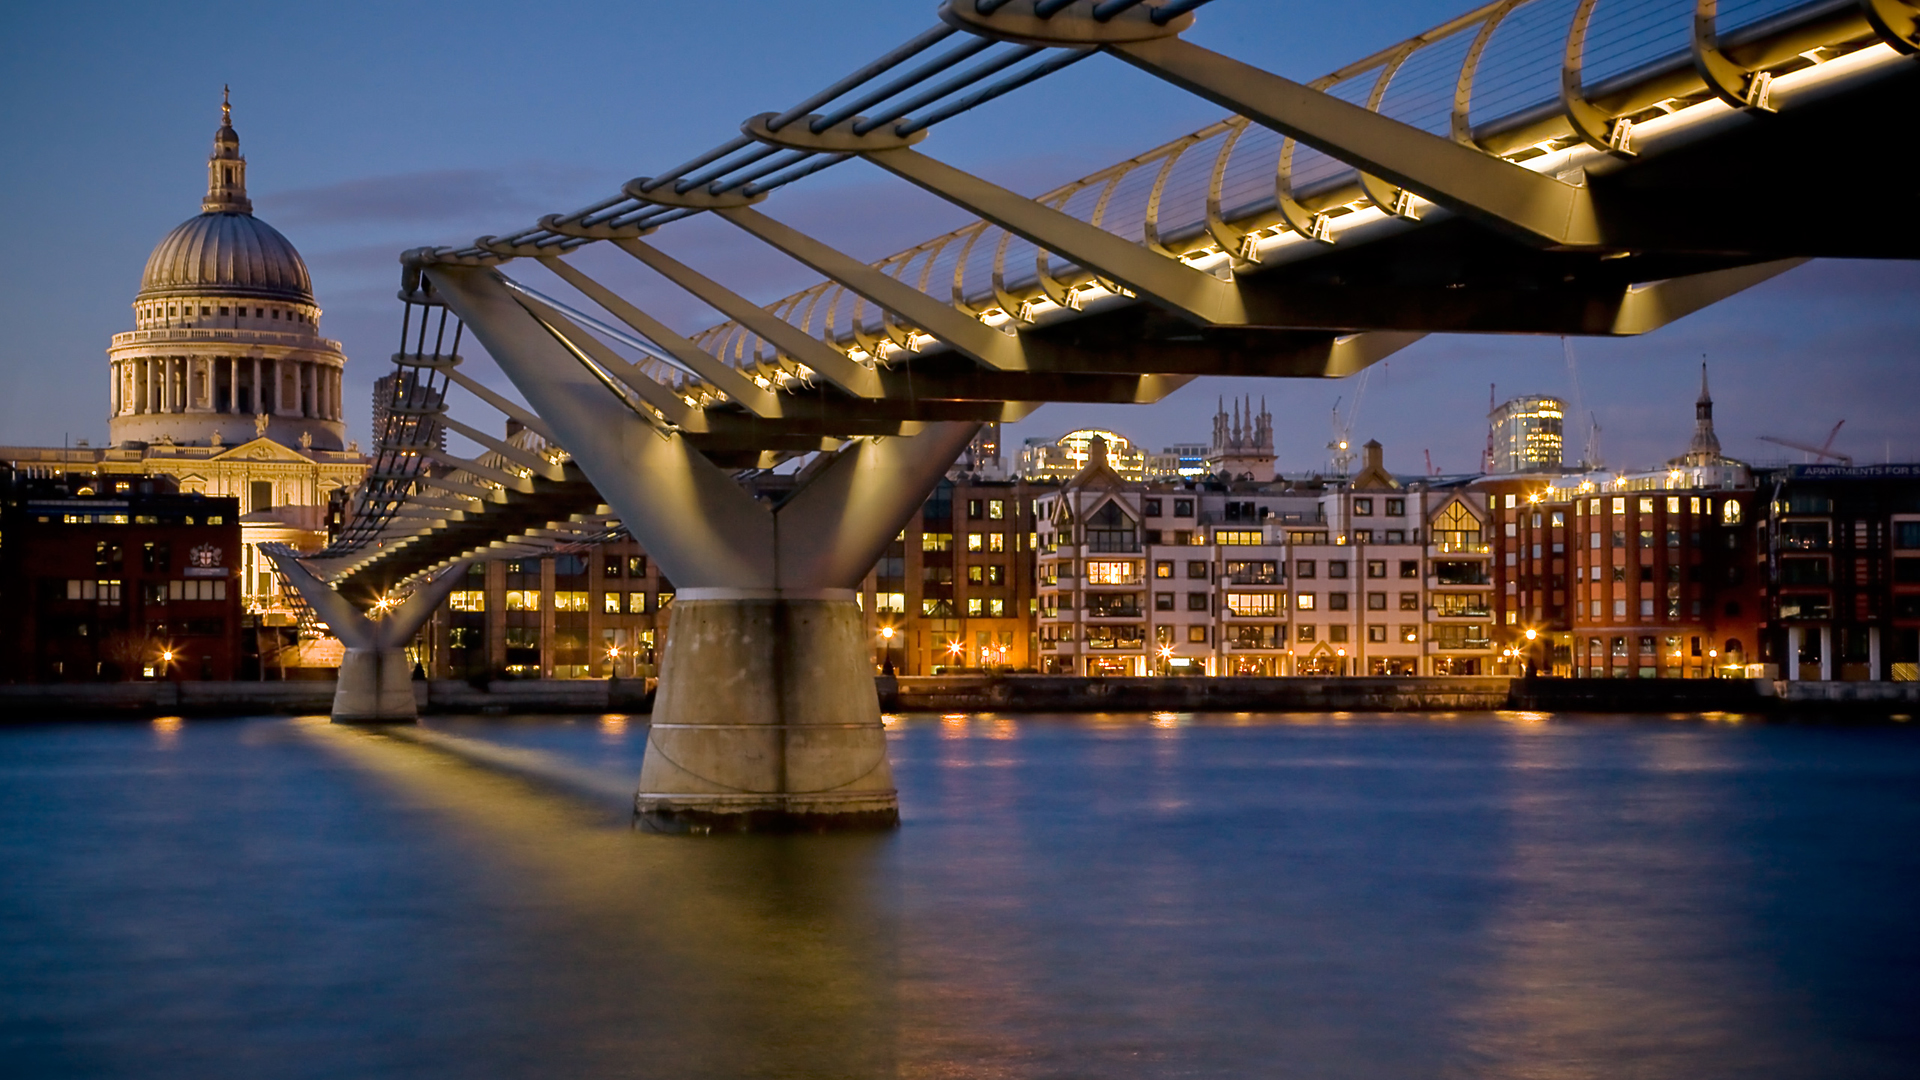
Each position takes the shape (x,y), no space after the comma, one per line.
(376,682)
(766,716)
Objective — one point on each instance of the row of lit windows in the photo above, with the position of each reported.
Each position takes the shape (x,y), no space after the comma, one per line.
(108,518)
(159,592)
(1274,637)
(992,607)
(564,600)
(940,541)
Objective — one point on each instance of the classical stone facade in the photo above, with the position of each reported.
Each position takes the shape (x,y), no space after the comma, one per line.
(226,343)
(225,384)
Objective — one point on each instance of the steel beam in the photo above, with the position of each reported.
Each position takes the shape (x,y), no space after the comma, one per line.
(830,363)
(724,377)
(1461,178)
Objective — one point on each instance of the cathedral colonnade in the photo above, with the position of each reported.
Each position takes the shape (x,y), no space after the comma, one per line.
(294,386)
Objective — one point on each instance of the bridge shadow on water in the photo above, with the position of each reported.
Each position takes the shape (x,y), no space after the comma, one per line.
(662,956)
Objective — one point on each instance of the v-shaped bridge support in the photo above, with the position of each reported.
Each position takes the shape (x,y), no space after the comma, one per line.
(766,715)
(376,683)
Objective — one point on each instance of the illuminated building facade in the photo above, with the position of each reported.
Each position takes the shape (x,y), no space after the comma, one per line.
(1245,579)
(1527,435)
(1064,458)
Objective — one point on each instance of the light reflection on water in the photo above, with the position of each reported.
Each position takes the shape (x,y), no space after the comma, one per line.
(1119,895)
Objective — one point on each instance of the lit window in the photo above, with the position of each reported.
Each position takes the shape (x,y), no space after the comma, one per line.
(1304,633)
(1619,506)
(1303,602)
(610,603)
(996,541)
(1673,504)
(1253,605)
(1110,573)
(997,607)
(974,541)
(974,605)
(1237,536)
(936,541)
(636,603)
(893,602)
(996,509)
(1163,569)
(467,600)
(570,600)
(523,599)
(1729,512)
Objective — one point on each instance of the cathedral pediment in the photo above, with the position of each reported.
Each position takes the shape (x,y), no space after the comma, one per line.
(264,449)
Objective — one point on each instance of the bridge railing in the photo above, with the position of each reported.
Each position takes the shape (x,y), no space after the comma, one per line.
(1499,77)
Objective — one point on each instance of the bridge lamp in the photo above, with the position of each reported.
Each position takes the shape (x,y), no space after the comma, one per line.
(887,632)
(1532,633)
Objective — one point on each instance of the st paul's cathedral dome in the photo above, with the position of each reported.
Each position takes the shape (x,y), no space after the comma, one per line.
(226,346)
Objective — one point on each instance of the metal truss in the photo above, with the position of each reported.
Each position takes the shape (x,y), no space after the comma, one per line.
(1532,166)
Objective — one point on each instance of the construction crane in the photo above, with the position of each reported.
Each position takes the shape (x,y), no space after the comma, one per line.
(1342,442)
(1578,414)
(1824,450)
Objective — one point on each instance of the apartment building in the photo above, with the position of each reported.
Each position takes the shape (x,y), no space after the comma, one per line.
(955,589)
(1303,578)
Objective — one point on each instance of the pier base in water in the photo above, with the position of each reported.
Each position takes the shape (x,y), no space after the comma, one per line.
(766,719)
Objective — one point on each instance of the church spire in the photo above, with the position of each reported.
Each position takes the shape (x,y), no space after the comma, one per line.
(1706,444)
(226,169)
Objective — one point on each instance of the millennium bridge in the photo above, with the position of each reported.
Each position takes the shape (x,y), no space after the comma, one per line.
(1561,167)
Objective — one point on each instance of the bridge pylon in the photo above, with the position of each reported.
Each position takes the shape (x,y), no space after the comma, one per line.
(766,717)
(376,682)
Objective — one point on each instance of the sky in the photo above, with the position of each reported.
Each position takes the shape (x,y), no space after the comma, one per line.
(372,128)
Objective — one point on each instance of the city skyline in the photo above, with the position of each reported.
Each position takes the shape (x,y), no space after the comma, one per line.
(355,161)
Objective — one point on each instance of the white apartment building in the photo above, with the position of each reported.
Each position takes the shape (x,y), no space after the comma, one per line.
(1359,578)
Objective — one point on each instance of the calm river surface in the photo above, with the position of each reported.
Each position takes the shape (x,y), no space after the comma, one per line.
(1122,896)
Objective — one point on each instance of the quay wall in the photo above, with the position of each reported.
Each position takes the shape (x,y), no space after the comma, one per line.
(1067,693)
(30,703)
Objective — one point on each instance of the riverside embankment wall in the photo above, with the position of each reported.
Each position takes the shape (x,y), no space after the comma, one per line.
(1011,693)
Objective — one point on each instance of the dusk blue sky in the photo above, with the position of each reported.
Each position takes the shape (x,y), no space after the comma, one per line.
(370,128)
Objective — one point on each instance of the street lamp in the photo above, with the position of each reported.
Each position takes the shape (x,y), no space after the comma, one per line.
(886,659)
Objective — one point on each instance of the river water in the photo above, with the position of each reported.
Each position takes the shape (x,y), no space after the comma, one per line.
(1116,896)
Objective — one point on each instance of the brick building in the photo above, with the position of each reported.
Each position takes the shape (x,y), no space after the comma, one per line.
(133,581)
(955,590)
(598,611)
(1844,571)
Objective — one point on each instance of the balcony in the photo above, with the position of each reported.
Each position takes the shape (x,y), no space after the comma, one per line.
(1459,581)
(1481,611)
(1459,547)
(1461,645)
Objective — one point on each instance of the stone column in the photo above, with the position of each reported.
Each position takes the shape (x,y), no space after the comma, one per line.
(1793,654)
(1826,654)
(259,398)
(1873,654)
